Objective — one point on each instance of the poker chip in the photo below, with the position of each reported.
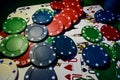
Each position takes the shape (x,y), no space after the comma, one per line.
(55,28)
(71,13)
(35,32)
(14,45)
(64,46)
(57,5)
(103,74)
(42,16)
(118,17)
(40,74)
(1,38)
(24,60)
(19,13)
(110,32)
(66,3)
(117,77)
(47,44)
(42,55)
(117,26)
(95,56)
(91,34)
(64,19)
(109,50)
(88,2)
(77,8)
(97,15)
(8,69)
(14,25)
(104,16)
(116,49)
(49,40)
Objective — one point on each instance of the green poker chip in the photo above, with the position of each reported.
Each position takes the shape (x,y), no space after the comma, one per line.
(117,77)
(116,49)
(14,25)
(89,2)
(109,50)
(108,73)
(14,45)
(117,25)
(49,40)
(91,34)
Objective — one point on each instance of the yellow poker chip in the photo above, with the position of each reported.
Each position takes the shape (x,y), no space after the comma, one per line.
(8,69)
(20,13)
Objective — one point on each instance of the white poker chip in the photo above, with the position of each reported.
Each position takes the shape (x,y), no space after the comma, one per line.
(19,13)
(8,69)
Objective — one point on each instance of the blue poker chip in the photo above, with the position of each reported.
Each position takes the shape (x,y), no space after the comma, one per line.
(64,46)
(42,16)
(97,15)
(34,73)
(104,16)
(42,55)
(118,17)
(35,32)
(95,56)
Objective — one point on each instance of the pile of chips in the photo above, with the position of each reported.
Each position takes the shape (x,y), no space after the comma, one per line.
(42,43)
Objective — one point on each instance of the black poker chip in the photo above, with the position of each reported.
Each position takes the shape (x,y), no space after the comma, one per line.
(42,54)
(34,73)
(35,32)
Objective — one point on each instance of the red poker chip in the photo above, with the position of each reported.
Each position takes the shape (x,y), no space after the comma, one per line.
(64,19)
(110,32)
(3,34)
(57,5)
(77,8)
(66,3)
(24,60)
(55,27)
(71,13)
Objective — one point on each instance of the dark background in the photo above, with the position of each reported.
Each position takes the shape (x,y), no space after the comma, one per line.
(8,6)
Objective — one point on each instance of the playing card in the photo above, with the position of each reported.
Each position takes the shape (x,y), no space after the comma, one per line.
(106,41)
(69,70)
(73,32)
(91,10)
(82,23)
(87,72)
